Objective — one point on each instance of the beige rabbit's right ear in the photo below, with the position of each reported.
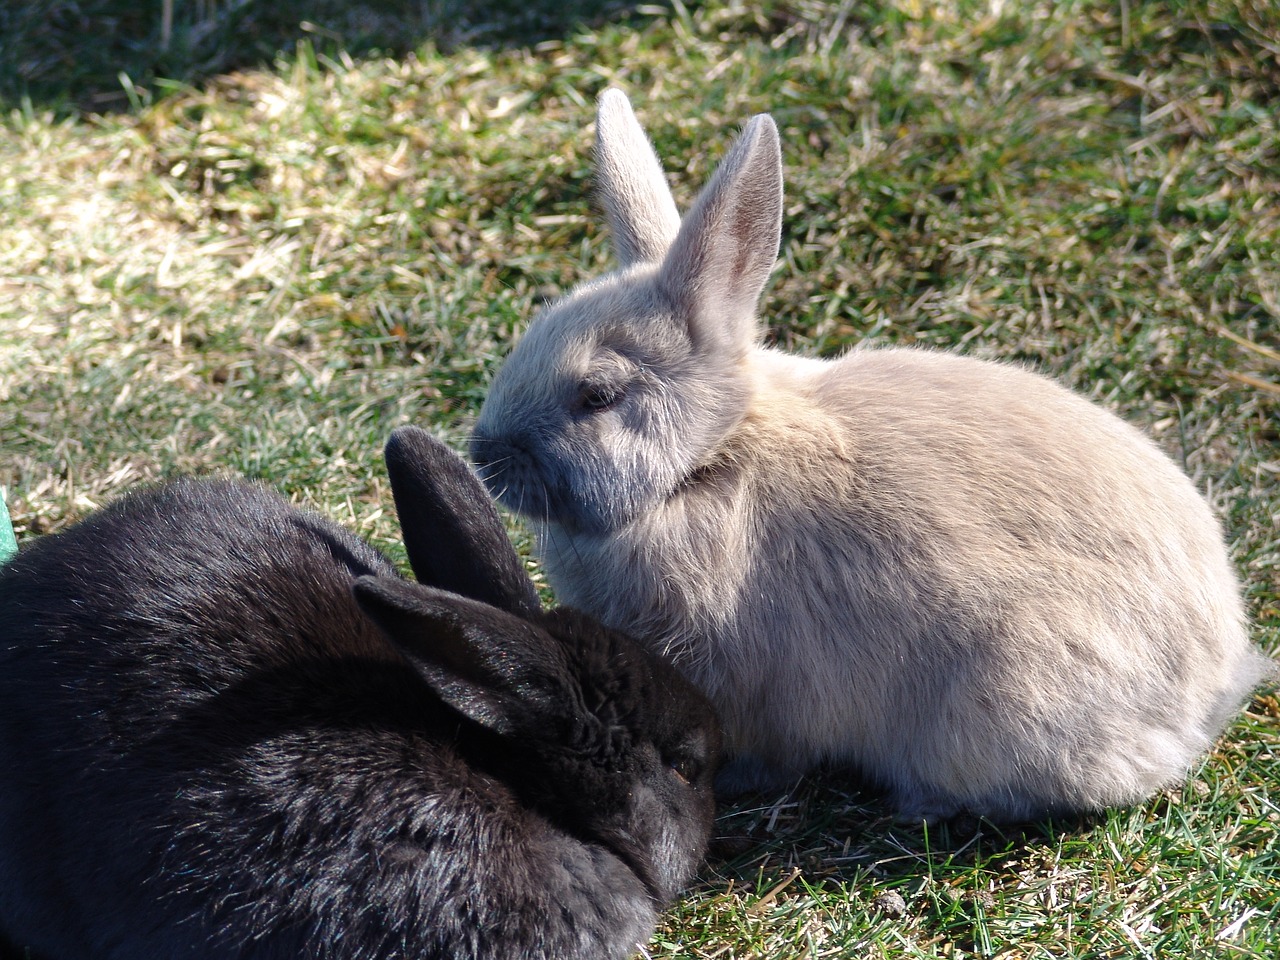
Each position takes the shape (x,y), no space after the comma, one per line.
(637,201)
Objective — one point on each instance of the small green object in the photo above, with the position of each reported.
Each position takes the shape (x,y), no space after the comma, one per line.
(8,542)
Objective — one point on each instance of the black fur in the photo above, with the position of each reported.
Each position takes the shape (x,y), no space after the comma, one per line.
(231,730)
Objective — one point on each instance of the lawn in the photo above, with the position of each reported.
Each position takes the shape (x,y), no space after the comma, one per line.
(254,240)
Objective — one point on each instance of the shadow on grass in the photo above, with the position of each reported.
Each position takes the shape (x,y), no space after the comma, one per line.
(95,55)
(834,827)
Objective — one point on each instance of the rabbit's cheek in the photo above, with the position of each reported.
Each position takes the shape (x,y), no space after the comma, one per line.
(663,838)
(592,487)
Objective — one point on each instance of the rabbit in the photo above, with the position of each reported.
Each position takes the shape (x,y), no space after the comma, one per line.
(984,593)
(232,730)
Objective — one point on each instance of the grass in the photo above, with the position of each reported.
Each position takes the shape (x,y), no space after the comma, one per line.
(260,262)
(96,55)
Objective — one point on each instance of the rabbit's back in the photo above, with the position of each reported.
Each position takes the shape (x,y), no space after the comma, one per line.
(1069,603)
(138,647)
(1010,489)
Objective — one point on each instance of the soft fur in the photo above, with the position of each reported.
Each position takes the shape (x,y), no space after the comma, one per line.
(984,591)
(231,730)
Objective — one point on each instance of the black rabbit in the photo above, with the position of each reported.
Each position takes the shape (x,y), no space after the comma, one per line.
(231,729)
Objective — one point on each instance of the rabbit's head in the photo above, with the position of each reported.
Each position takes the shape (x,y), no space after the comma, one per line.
(616,393)
(598,735)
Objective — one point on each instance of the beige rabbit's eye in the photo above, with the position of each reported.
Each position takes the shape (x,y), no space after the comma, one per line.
(596,397)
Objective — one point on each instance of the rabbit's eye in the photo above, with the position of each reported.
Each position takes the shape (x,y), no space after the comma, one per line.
(595,397)
(686,768)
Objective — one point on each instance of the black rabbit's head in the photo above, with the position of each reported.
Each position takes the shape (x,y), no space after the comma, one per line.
(594,733)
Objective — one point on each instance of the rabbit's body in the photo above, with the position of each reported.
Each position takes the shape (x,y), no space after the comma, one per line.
(212,749)
(957,689)
(984,591)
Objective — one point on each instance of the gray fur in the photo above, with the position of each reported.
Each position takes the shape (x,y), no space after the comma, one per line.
(977,587)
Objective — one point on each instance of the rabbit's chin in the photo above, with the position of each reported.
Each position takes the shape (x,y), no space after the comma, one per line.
(598,507)
(573,512)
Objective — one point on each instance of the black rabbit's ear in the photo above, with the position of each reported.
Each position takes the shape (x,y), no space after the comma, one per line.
(496,668)
(452,532)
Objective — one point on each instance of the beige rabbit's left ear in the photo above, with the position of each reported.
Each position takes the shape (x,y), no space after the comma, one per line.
(637,201)
(720,260)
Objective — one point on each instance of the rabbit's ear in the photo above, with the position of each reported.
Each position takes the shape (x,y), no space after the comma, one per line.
(499,670)
(717,266)
(637,201)
(452,532)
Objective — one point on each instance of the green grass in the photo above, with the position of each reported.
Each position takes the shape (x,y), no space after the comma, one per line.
(263,263)
(73,54)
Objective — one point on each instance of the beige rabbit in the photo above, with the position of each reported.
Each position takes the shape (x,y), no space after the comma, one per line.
(983,591)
